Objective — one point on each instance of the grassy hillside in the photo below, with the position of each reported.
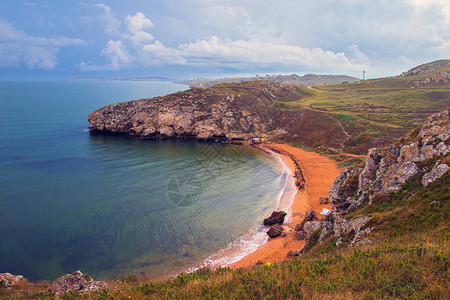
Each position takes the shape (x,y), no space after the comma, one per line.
(410,258)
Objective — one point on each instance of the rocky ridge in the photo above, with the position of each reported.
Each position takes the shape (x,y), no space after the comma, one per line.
(385,170)
(435,76)
(235,112)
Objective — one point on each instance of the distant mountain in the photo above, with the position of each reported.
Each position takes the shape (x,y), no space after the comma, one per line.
(306,80)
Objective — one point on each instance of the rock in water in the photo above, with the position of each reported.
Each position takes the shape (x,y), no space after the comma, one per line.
(76,282)
(275,230)
(277,217)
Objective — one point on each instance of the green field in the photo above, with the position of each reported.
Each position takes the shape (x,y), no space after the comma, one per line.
(373,112)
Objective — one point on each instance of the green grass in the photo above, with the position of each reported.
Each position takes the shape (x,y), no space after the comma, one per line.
(375,111)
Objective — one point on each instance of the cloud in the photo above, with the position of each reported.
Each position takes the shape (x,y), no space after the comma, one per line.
(137,26)
(31,4)
(356,55)
(116,53)
(17,48)
(213,51)
(108,20)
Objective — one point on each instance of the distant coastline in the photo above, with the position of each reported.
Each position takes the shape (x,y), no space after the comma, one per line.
(153,79)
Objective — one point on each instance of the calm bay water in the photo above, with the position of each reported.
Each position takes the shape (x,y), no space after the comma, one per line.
(113,205)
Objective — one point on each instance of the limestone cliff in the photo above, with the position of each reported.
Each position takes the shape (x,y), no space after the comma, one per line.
(227,113)
(423,152)
(235,111)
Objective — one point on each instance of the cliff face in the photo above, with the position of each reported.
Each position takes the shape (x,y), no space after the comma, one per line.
(386,170)
(424,152)
(228,112)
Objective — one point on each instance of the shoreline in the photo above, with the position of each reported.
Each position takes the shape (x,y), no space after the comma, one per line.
(313,175)
(250,242)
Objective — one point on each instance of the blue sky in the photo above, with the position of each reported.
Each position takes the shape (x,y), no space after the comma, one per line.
(213,38)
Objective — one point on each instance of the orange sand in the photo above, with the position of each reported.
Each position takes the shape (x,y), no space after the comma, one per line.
(319,173)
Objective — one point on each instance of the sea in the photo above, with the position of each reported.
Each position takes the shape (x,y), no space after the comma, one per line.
(114,206)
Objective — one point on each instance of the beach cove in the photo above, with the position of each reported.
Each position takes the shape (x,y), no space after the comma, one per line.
(319,173)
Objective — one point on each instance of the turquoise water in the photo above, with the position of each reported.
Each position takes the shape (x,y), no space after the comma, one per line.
(115,205)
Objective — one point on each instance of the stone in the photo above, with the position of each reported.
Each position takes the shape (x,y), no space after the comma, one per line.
(311,226)
(437,172)
(300,235)
(275,230)
(350,232)
(310,215)
(299,227)
(277,217)
(9,279)
(76,282)
(257,263)
(292,253)
(324,200)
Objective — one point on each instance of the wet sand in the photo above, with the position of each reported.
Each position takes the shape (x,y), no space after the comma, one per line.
(319,173)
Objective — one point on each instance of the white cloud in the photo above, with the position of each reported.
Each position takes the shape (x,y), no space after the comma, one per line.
(108,20)
(31,4)
(17,48)
(117,55)
(215,52)
(137,26)
(356,55)
(331,36)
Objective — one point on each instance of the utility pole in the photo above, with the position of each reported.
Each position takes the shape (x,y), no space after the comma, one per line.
(364,75)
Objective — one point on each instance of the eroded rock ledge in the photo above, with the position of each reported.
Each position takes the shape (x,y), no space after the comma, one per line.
(234,112)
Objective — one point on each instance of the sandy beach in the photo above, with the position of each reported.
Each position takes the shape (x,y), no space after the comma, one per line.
(319,173)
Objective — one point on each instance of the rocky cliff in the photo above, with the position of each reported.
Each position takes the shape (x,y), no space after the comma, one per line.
(225,112)
(423,152)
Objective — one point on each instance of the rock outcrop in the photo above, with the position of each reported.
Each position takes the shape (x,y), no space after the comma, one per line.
(385,170)
(426,69)
(226,113)
(437,172)
(277,217)
(275,230)
(309,224)
(8,279)
(76,282)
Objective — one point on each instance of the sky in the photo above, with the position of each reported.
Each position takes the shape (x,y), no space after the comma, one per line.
(219,38)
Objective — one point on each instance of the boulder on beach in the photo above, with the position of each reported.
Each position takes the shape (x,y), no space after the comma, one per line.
(310,215)
(324,200)
(275,230)
(277,217)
